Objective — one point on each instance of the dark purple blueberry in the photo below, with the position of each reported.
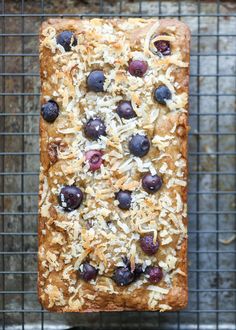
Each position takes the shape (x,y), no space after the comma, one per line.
(147,244)
(151,183)
(87,272)
(95,128)
(138,267)
(94,158)
(161,94)
(125,110)
(124,198)
(95,81)
(50,111)
(137,68)
(139,145)
(123,276)
(163,47)
(138,271)
(155,274)
(66,39)
(70,198)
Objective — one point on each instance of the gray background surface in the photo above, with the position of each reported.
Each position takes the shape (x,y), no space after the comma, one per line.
(212,263)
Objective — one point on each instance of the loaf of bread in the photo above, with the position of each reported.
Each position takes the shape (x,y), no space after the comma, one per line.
(113,175)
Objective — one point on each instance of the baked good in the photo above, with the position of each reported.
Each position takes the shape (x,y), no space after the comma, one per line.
(113,175)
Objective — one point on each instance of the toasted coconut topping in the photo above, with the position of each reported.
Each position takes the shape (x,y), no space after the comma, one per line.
(99,232)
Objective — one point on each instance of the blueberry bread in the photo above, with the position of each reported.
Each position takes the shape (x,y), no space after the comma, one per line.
(113,175)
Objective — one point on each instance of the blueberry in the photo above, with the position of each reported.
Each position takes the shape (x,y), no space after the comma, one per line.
(95,128)
(123,276)
(161,94)
(151,183)
(124,197)
(138,271)
(70,198)
(155,274)
(139,145)
(94,158)
(137,68)
(163,47)
(95,81)
(66,39)
(87,272)
(147,244)
(50,111)
(125,110)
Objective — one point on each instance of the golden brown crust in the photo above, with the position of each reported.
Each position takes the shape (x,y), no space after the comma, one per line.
(58,290)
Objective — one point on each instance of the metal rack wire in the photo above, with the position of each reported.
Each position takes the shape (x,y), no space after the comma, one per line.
(212,141)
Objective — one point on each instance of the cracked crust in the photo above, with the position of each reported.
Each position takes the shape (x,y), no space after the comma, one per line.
(59,247)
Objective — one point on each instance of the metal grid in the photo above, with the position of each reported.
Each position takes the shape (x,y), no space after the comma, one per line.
(212,262)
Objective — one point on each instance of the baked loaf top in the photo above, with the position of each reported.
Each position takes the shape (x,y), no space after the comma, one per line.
(113,176)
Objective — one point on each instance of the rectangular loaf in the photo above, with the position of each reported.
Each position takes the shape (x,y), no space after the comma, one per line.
(98,233)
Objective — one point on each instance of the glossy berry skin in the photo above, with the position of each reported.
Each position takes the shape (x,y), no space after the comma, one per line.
(66,39)
(163,47)
(151,183)
(139,145)
(137,68)
(70,198)
(95,128)
(147,244)
(94,158)
(161,94)
(138,267)
(50,111)
(155,274)
(124,198)
(125,110)
(88,272)
(95,81)
(123,276)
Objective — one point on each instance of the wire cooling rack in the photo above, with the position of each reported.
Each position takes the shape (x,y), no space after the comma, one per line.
(212,141)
